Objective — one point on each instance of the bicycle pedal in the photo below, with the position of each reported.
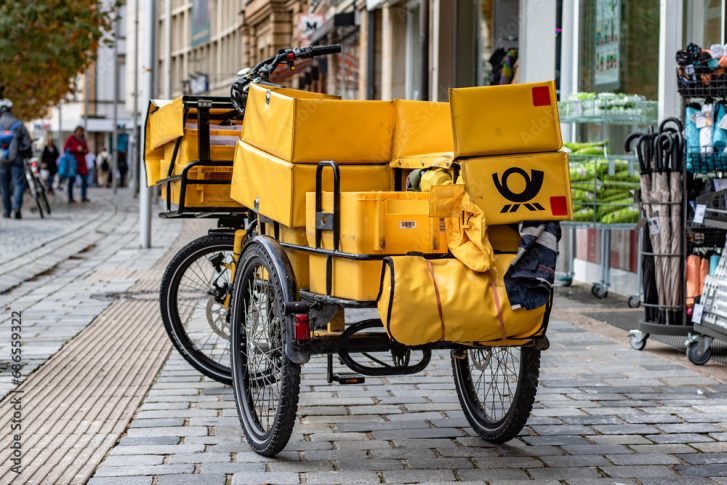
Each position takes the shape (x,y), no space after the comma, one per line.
(348,378)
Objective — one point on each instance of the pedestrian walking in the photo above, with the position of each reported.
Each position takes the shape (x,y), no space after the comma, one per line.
(103,164)
(76,145)
(15,145)
(49,161)
(123,169)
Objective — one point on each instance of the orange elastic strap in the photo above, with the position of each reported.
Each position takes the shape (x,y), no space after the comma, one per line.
(439,299)
(498,307)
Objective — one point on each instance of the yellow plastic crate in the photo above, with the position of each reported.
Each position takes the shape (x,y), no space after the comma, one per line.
(422,134)
(379,222)
(279,187)
(298,259)
(197,195)
(350,279)
(304,127)
(497,120)
(515,188)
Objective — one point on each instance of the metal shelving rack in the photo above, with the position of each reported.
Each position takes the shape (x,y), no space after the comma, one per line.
(709,320)
(594,111)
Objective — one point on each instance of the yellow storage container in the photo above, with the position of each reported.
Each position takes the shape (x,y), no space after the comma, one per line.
(304,127)
(379,222)
(350,279)
(515,188)
(422,134)
(198,195)
(298,259)
(280,186)
(497,120)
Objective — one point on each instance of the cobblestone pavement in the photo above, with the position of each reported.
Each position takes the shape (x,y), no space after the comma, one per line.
(604,414)
(90,255)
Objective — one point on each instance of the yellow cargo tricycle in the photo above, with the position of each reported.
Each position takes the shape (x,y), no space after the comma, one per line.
(439,221)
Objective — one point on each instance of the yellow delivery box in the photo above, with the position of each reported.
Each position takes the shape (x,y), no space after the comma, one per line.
(277,187)
(350,279)
(497,120)
(422,134)
(514,188)
(303,127)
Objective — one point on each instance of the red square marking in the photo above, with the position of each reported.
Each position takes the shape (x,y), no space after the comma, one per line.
(541,96)
(559,205)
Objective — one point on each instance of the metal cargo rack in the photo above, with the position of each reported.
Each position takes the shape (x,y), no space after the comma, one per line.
(203,106)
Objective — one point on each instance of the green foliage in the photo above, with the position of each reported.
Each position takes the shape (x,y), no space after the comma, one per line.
(44,45)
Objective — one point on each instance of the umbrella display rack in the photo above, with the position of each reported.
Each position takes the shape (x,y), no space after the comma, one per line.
(601,183)
(663,231)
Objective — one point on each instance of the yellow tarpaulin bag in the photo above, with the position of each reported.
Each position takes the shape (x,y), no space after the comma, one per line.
(425,301)
(277,188)
(466,226)
(516,188)
(496,120)
(164,123)
(303,127)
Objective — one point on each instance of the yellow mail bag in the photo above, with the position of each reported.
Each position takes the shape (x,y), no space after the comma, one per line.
(424,301)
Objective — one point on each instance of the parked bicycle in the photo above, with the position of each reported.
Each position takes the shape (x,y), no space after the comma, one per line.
(35,187)
(267,289)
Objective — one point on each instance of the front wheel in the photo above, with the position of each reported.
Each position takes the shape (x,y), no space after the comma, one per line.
(194,304)
(265,382)
(496,388)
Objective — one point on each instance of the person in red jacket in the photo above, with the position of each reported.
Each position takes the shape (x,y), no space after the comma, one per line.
(76,144)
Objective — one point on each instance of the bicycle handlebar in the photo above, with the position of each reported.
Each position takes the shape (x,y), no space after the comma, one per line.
(313,51)
(262,70)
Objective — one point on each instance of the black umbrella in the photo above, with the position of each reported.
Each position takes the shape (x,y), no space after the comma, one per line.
(644,155)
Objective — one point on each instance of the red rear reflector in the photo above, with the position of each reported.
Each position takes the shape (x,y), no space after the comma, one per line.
(291,55)
(541,96)
(302,327)
(559,205)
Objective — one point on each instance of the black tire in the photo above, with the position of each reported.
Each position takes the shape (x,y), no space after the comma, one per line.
(694,356)
(511,374)
(189,329)
(266,384)
(44,199)
(32,184)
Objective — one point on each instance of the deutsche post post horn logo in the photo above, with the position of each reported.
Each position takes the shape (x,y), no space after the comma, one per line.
(533,183)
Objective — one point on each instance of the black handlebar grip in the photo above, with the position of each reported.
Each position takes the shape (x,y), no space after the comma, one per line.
(325,50)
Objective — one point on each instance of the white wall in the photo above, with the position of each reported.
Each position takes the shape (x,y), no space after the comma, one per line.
(537,40)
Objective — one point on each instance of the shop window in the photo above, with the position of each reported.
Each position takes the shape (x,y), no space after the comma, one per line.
(619,46)
(704,22)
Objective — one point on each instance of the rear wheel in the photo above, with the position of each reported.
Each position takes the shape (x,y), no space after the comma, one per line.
(496,388)
(266,384)
(194,289)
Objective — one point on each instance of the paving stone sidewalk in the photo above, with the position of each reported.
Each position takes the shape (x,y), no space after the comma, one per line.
(604,414)
(90,256)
